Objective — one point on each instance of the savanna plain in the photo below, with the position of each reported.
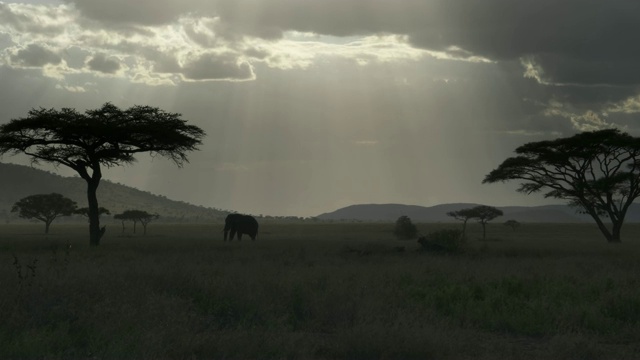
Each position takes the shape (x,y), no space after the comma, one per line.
(318,291)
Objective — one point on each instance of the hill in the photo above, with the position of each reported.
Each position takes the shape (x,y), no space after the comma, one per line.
(438,213)
(18,181)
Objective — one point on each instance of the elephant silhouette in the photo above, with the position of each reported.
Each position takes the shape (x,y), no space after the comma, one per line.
(241,224)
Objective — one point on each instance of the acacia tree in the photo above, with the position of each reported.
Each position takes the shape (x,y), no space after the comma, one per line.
(463,215)
(598,172)
(105,137)
(122,217)
(44,207)
(484,214)
(136,216)
(513,224)
(145,218)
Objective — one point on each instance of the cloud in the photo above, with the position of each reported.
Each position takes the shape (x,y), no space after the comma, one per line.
(73,89)
(531,133)
(214,66)
(34,55)
(630,105)
(579,51)
(99,62)
(574,41)
(126,12)
(33,19)
(587,121)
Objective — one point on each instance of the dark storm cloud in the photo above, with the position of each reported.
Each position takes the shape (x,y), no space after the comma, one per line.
(35,56)
(573,41)
(100,62)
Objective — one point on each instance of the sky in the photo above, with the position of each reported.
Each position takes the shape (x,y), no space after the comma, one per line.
(311,105)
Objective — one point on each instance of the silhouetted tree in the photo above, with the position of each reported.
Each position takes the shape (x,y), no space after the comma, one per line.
(44,207)
(598,172)
(144,218)
(484,214)
(513,224)
(122,217)
(136,216)
(463,215)
(404,228)
(108,136)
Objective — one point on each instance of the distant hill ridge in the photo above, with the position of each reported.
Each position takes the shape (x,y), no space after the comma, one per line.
(438,213)
(19,181)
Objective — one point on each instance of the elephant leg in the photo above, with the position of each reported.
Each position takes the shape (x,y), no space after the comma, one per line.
(233,234)
(226,233)
(239,236)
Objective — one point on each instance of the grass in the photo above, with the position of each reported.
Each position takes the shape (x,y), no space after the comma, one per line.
(322,291)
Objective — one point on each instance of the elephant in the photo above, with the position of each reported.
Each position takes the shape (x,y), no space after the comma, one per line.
(242,224)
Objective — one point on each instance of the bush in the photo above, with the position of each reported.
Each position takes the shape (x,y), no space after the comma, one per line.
(405,229)
(446,240)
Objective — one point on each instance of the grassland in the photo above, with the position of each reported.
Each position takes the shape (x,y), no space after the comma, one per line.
(321,291)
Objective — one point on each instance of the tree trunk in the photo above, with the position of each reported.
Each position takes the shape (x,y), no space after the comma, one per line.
(46,226)
(484,231)
(464,229)
(603,228)
(94,216)
(615,232)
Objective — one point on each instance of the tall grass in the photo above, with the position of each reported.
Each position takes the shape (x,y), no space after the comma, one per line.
(540,292)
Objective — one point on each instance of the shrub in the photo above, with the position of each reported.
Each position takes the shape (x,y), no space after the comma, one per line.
(445,240)
(405,229)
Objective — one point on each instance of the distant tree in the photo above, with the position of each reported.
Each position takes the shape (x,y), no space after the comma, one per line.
(513,224)
(463,215)
(136,216)
(598,172)
(145,218)
(405,229)
(128,215)
(122,217)
(108,136)
(484,214)
(85,211)
(44,207)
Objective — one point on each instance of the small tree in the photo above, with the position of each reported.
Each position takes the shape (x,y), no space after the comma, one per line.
(484,214)
(128,215)
(145,218)
(136,216)
(513,224)
(463,215)
(405,229)
(122,217)
(44,207)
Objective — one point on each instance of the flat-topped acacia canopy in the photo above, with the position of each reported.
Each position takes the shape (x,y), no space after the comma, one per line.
(108,136)
(597,172)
